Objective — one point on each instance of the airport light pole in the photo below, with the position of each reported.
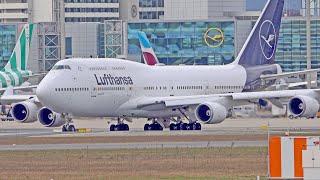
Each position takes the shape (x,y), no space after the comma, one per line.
(308,33)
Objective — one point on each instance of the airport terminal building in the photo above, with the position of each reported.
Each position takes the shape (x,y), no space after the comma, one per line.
(181,32)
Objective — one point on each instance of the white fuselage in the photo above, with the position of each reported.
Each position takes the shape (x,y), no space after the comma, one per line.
(100,87)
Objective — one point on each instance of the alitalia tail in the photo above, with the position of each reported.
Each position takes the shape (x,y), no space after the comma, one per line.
(15,73)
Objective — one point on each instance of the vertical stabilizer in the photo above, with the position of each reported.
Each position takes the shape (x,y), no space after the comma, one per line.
(260,47)
(19,57)
(149,56)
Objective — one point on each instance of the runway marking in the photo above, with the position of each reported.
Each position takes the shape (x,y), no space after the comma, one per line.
(143,145)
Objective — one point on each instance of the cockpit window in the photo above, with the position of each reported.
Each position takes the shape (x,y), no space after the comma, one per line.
(59,67)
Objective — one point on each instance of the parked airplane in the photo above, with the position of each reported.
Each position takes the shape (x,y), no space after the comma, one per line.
(126,89)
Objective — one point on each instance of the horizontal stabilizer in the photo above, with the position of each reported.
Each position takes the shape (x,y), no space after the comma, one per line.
(288,74)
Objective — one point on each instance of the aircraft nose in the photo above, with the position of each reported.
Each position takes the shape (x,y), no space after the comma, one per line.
(43,91)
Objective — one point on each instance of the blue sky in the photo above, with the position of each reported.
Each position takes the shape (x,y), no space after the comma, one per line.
(256,5)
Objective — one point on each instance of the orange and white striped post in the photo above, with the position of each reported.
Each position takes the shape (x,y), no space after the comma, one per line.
(285,156)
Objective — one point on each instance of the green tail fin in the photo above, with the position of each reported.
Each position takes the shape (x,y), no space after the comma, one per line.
(19,57)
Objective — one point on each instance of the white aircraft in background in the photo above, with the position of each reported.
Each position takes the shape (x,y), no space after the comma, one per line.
(126,89)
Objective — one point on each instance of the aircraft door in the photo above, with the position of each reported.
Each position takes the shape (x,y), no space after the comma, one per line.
(206,88)
(93,92)
(130,91)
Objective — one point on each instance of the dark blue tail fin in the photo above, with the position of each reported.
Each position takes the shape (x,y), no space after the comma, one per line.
(260,47)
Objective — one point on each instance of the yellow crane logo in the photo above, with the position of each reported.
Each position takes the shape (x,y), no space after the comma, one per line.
(213,37)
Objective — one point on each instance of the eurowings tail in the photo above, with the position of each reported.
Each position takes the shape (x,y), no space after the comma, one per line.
(149,56)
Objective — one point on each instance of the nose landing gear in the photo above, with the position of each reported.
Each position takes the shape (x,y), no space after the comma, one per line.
(68,127)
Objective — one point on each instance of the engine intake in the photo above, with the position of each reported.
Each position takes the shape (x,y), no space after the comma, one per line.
(49,118)
(24,112)
(211,113)
(304,106)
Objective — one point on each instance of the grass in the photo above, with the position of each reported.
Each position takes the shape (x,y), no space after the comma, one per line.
(174,163)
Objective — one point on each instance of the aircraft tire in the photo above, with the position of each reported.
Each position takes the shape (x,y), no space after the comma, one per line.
(64,128)
(184,126)
(125,127)
(112,127)
(71,128)
(198,127)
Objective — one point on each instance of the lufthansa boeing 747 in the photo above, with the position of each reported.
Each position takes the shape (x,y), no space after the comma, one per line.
(126,89)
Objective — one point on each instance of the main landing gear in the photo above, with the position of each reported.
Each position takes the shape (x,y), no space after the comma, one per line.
(120,126)
(158,125)
(179,125)
(185,126)
(153,127)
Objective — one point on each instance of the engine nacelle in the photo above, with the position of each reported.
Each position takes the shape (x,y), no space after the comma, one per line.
(211,113)
(24,112)
(304,106)
(49,118)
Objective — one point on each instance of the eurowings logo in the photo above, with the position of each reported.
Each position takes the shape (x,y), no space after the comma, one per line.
(268,38)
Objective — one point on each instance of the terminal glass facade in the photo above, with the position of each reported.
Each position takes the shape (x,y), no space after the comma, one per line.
(292,45)
(184,42)
(7,42)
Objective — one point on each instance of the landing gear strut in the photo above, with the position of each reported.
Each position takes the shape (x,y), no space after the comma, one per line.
(120,126)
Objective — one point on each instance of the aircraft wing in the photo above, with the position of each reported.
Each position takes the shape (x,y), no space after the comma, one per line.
(36,75)
(8,97)
(288,74)
(18,88)
(297,84)
(228,99)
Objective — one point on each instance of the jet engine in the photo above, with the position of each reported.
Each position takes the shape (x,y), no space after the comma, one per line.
(24,112)
(49,118)
(304,106)
(211,113)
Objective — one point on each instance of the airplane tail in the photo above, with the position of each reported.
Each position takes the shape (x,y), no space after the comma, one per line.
(19,58)
(260,47)
(149,56)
